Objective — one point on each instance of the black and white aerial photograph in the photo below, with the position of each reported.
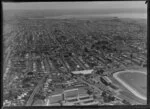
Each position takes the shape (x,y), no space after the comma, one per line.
(91,53)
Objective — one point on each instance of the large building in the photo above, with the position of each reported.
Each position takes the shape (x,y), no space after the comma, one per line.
(83,72)
(55,99)
(81,100)
(71,93)
(70,97)
(106,80)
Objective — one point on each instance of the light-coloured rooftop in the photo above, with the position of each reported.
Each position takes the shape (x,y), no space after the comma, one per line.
(83,72)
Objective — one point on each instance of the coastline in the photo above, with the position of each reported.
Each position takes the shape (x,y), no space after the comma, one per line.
(136,93)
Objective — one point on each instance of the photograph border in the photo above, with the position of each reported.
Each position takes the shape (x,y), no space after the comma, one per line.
(147,3)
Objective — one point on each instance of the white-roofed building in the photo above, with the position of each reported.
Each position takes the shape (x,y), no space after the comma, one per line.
(55,99)
(83,72)
(71,93)
(106,80)
(90,103)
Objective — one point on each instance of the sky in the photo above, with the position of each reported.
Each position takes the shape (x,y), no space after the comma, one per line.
(75,5)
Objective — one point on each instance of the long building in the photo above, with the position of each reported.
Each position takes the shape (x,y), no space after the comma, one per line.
(55,99)
(71,93)
(69,98)
(83,72)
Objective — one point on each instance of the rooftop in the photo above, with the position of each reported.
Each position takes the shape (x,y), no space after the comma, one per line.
(83,72)
(38,103)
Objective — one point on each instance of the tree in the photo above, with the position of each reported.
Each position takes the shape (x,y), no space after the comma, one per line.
(104,94)
(112,98)
(89,92)
(39,96)
(106,99)
(100,71)
(131,55)
(60,102)
(126,102)
(95,97)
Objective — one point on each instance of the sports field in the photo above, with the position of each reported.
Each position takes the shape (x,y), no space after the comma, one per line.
(134,81)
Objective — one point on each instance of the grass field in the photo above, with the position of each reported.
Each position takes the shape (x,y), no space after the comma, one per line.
(135,80)
(124,93)
(138,81)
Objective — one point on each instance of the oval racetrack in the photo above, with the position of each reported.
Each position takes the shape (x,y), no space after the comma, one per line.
(134,81)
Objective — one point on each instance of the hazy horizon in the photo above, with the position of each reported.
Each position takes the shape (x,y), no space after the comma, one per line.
(75,5)
(137,9)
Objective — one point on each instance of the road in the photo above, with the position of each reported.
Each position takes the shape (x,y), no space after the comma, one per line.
(10,41)
(40,83)
(99,87)
(79,62)
(6,61)
(133,60)
(64,63)
(36,90)
(89,84)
